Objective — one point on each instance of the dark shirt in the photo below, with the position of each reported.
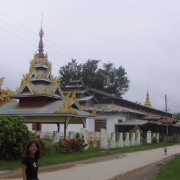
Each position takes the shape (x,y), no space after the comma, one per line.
(32,167)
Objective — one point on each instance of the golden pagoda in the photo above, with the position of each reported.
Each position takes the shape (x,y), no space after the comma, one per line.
(147,102)
(4,94)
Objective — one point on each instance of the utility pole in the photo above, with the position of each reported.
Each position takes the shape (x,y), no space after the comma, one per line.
(166,119)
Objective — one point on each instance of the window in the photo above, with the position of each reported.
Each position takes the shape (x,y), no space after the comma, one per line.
(100,124)
(120,120)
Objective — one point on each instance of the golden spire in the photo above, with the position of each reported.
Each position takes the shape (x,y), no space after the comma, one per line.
(147,102)
(41,34)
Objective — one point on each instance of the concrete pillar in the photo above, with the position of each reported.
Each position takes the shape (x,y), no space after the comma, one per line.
(103,139)
(149,139)
(126,143)
(120,142)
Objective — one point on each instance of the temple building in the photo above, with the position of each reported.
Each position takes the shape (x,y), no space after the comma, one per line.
(40,98)
(117,114)
(45,107)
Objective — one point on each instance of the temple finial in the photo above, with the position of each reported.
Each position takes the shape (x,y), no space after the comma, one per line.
(41,20)
(41,34)
(147,102)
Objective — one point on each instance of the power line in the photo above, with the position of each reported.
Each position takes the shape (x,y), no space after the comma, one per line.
(36,34)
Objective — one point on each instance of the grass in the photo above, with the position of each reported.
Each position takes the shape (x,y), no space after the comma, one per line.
(53,159)
(170,171)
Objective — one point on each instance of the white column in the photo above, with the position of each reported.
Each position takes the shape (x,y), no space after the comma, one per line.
(126,143)
(149,139)
(103,139)
(113,140)
(137,139)
(120,142)
(56,137)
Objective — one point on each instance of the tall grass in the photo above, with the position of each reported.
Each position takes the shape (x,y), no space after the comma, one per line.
(53,159)
(171,171)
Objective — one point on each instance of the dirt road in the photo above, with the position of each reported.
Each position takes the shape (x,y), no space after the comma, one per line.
(137,165)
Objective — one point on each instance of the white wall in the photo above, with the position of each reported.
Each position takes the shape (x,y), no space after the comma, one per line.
(111,120)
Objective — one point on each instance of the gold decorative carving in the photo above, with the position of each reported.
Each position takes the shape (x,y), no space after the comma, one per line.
(93,113)
(1,80)
(67,109)
(67,96)
(44,91)
(73,95)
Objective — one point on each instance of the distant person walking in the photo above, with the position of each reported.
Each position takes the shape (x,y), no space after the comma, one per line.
(30,161)
(165,151)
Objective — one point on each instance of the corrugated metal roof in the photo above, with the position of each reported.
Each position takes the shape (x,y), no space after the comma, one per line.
(124,100)
(133,122)
(87,98)
(167,121)
(152,117)
(77,91)
(12,108)
(116,108)
(136,122)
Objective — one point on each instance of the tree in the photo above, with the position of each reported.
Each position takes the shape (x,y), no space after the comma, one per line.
(108,78)
(70,72)
(89,74)
(14,136)
(177,116)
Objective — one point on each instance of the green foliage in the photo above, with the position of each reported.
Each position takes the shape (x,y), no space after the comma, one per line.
(14,136)
(81,141)
(108,78)
(59,147)
(154,140)
(69,72)
(177,116)
(170,171)
(69,145)
(46,146)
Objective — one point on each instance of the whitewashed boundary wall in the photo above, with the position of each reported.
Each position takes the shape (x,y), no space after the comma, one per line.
(105,140)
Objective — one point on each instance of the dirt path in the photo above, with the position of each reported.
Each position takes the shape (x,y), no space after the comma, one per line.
(145,173)
(146,169)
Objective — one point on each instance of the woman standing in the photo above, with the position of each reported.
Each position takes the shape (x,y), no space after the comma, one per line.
(30,161)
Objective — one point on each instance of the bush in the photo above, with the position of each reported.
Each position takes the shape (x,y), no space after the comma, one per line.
(73,145)
(14,137)
(46,146)
(154,140)
(81,141)
(59,147)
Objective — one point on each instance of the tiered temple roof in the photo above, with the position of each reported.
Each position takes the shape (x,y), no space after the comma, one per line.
(40,96)
(38,86)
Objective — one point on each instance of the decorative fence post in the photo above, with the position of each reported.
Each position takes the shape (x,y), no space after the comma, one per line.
(137,138)
(157,136)
(95,140)
(126,143)
(71,135)
(113,140)
(149,138)
(132,141)
(84,133)
(120,142)
(56,137)
(103,139)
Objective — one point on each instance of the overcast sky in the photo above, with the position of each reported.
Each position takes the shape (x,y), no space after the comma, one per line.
(141,35)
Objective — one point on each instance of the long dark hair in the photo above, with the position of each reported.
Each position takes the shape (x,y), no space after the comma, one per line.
(27,152)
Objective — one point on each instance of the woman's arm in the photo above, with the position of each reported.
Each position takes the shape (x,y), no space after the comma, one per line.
(24,171)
